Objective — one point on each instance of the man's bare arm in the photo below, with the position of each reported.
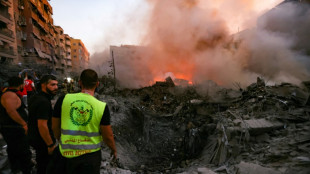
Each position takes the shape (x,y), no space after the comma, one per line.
(108,138)
(56,127)
(11,102)
(44,132)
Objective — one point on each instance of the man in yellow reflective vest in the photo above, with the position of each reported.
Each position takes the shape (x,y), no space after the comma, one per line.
(80,122)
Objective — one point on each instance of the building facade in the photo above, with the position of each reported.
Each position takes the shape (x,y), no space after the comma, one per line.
(29,38)
(7,33)
(79,55)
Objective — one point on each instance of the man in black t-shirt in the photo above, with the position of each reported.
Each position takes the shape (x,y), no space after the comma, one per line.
(40,113)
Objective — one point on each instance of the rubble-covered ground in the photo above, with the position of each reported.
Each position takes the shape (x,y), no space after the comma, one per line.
(205,128)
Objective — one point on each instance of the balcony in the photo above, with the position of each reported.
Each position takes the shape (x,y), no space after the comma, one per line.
(34,16)
(42,25)
(68,57)
(33,2)
(36,36)
(7,33)
(5,16)
(45,17)
(49,40)
(40,10)
(69,63)
(6,3)
(48,7)
(68,43)
(36,32)
(8,51)
(63,62)
(51,20)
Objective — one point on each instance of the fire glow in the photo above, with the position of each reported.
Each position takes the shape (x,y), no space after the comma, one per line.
(199,40)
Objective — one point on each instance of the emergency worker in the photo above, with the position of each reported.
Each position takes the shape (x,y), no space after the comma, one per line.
(14,128)
(80,123)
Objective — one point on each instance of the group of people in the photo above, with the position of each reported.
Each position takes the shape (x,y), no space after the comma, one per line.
(66,138)
(29,87)
(68,86)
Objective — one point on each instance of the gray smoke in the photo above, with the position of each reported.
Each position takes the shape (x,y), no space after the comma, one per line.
(189,42)
(279,47)
(100,62)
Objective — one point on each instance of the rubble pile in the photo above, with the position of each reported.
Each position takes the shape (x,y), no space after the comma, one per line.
(267,126)
(264,127)
(167,128)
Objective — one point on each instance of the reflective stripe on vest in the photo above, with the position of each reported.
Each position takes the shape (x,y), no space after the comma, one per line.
(83,133)
(80,125)
(80,147)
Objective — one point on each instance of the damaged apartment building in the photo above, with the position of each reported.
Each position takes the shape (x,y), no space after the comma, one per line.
(29,39)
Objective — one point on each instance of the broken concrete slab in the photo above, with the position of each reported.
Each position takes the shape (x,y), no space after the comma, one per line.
(196,101)
(250,168)
(259,126)
(205,171)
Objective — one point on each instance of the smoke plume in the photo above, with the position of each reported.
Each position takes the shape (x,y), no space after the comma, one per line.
(199,41)
(100,62)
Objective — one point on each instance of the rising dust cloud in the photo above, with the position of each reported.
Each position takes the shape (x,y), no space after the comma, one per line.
(199,41)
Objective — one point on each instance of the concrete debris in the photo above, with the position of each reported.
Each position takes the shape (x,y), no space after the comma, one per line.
(168,83)
(250,168)
(205,171)
(166,128)
(198,170)
(259,126)
(195,101)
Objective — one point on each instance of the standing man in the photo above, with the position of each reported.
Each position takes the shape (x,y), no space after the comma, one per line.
(14,128)
(81,122)
(40,114)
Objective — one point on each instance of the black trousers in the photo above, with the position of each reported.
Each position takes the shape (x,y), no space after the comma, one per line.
(18,149)
(57,163)
(84,164)
(42,156)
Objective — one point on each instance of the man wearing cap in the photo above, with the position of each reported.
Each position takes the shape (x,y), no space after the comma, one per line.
(40,114)
(80,123)
(14,128)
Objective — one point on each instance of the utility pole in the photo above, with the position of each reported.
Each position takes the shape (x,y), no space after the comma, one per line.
(113,71)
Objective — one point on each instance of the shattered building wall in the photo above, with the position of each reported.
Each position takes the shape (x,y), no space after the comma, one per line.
(128,64)
(7,33)
(30,39)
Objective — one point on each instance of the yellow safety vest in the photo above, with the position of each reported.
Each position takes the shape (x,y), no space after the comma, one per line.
(80,125)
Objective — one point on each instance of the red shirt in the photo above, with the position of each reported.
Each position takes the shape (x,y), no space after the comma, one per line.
(29,85)
(21,94)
